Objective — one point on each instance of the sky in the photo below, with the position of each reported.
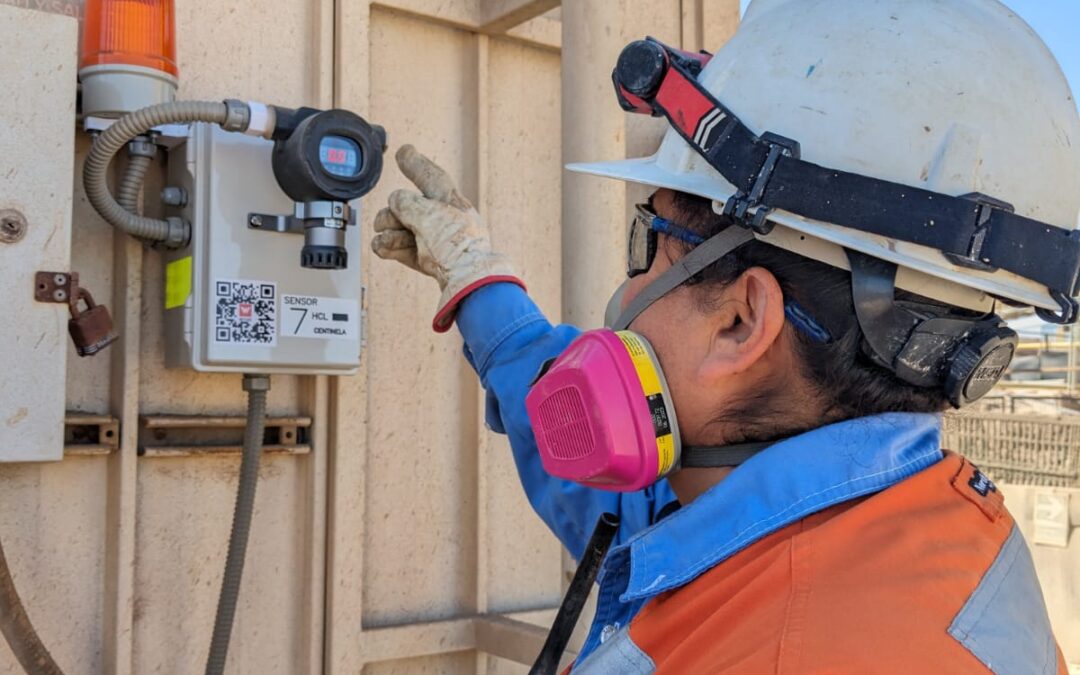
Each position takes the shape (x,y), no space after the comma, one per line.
(1056,21)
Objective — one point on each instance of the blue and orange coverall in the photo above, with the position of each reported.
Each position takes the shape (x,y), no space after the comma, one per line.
(858,547)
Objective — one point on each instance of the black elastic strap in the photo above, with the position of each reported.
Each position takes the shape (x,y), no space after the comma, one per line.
(547,662)
(885,327)
(711,457)
(1042,253)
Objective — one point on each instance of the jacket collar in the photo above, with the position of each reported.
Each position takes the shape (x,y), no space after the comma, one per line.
(778,486)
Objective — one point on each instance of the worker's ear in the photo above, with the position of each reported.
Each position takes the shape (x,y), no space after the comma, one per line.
(746,323)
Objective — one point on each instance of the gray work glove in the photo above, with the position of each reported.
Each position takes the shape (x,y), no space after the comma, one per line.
(439,234)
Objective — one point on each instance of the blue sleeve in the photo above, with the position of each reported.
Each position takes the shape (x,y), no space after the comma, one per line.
(507,339)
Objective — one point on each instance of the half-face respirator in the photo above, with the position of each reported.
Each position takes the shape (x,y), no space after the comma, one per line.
(602,412)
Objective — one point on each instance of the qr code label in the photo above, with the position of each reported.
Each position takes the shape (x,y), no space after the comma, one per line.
(246,312)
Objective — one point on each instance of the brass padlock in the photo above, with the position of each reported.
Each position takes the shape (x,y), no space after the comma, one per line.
(91,329)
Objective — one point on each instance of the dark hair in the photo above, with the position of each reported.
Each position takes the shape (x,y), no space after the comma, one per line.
(847,383)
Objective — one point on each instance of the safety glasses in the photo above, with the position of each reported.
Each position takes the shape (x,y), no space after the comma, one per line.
(642,237)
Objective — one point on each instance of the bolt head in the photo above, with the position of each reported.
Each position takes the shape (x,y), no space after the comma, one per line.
(256,221)
(12,226)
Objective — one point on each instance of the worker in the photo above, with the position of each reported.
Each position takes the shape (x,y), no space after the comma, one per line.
(843,194)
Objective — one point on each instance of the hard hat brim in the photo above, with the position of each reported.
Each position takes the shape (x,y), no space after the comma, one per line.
(647,171)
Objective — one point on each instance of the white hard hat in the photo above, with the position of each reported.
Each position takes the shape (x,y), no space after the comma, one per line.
(954,97)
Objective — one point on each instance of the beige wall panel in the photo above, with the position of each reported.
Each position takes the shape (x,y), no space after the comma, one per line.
(420,547)
(185,514)
(92,258)
(461,662)
(267,50)
(524,164)
(596,210)
(260,51)
(497,666)
(460,12)
(523,203)
(51,522)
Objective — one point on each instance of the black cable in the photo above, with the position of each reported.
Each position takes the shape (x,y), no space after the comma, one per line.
(570,610)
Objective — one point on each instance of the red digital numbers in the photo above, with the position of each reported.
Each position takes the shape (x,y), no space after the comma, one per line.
(336,156)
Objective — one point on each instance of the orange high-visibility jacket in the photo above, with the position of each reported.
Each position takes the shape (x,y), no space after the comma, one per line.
(929,576)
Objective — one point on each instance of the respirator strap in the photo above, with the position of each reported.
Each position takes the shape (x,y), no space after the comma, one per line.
(711,457)
(715,248)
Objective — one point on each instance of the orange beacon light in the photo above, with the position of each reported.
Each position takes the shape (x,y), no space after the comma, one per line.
(128,56)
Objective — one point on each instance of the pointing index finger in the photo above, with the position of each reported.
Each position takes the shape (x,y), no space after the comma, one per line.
(432,180)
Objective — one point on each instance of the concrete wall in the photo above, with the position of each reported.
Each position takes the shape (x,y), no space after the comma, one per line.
(372,551)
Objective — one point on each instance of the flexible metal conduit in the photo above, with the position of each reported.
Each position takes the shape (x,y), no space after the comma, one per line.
(120,133)
(127,191)
(256,386)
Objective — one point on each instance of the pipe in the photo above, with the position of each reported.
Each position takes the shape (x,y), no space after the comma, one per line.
(231,115)
(256,386)
(570,610)
(18,631)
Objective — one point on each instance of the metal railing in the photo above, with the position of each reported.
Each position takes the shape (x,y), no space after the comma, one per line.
(1050,363)
(1022,449)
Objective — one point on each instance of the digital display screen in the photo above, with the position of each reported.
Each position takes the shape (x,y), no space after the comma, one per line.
(340,156)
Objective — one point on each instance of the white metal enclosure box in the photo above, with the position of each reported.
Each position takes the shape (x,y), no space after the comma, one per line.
(236,298)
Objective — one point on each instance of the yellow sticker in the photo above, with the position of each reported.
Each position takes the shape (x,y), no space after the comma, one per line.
(665,445)
(177,282)
(639,355)
(648,375)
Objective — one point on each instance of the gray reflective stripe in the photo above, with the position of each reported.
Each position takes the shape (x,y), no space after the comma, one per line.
(617,655)
(1004,622)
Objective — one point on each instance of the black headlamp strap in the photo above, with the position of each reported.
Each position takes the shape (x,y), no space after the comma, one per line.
(768,174)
